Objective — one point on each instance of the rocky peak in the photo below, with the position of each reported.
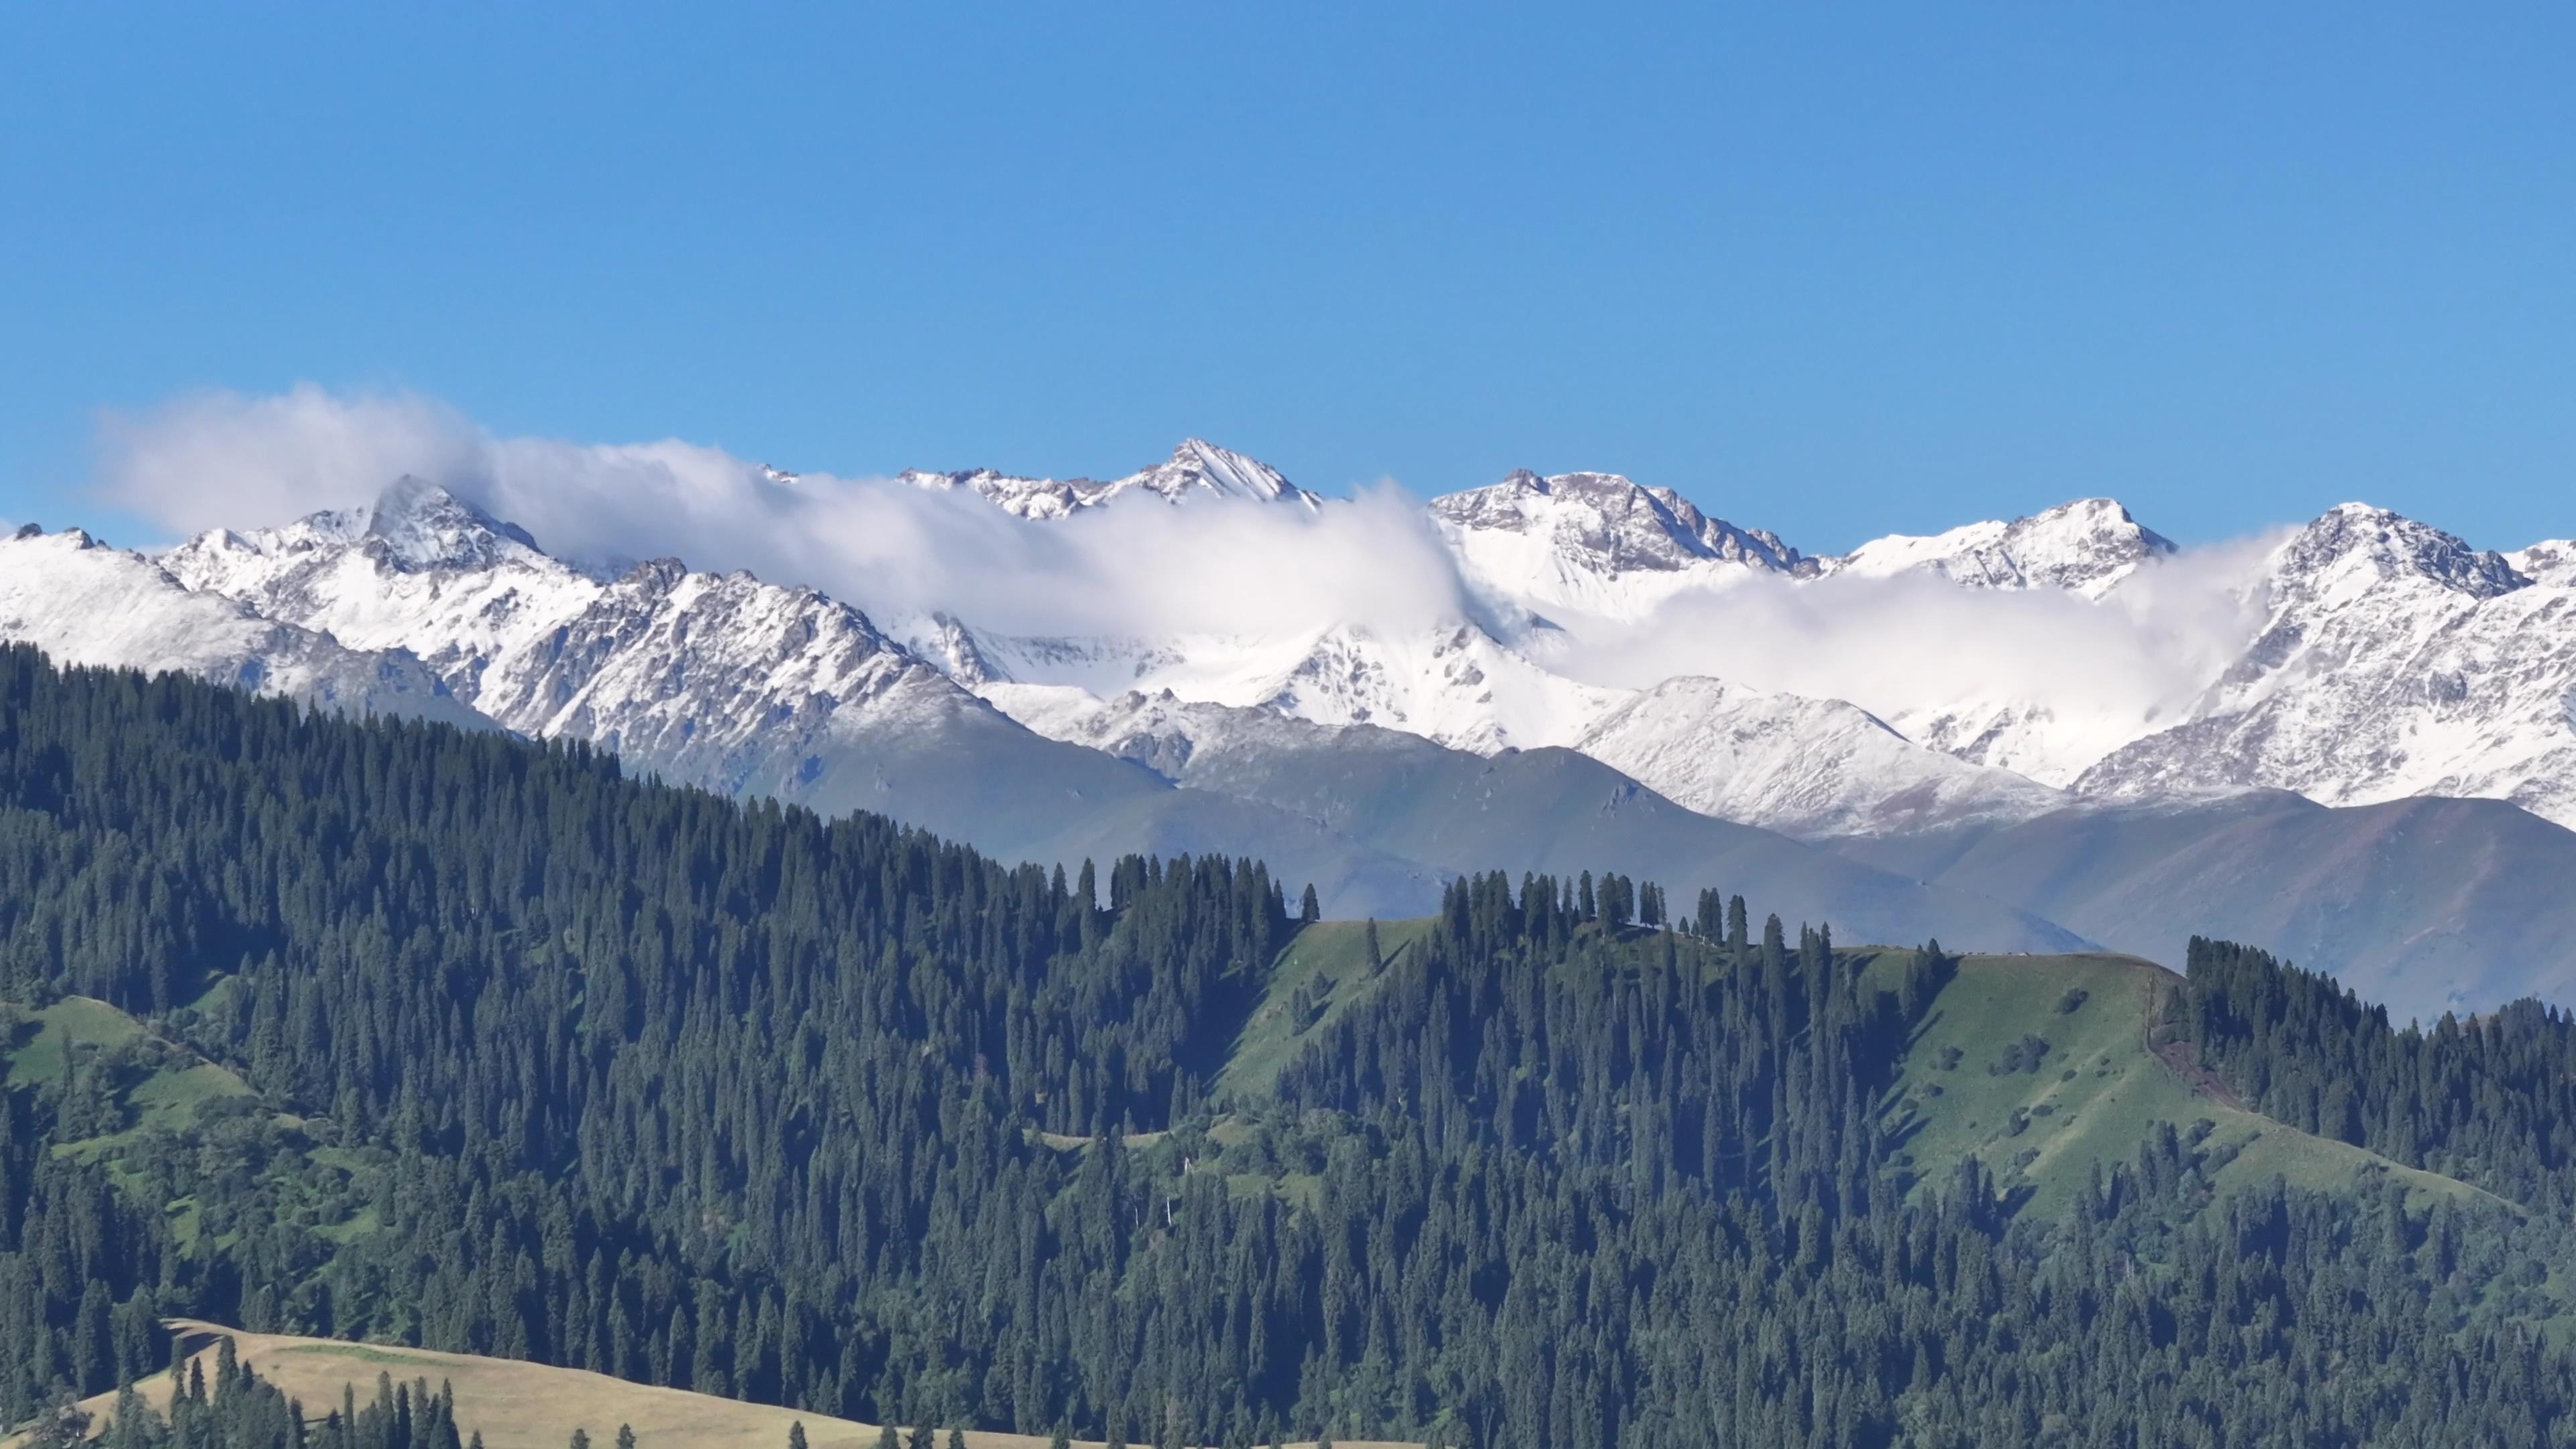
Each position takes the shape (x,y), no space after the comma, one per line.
(2355,546)
(417,524)
(1608,524)
(2084,547)
(1196,469)
(1201,467)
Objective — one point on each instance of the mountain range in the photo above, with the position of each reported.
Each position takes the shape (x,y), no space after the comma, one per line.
(2362,756)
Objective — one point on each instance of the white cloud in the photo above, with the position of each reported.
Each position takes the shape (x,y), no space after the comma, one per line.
(1913,643)
(1222,566)
(215,459)
(1903,646)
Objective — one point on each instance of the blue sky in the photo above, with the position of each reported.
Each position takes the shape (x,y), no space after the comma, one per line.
(1835,271)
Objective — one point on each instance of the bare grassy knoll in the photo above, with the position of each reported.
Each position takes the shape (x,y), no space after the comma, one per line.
(530,1406)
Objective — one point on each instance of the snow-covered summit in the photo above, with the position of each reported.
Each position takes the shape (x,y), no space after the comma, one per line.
(1196,469)
(85,603)
(413,524)
(2354,548)
(718,679)
(1597,543)
(1607,522)
(2551,562)
(2393,659)
(2084,547)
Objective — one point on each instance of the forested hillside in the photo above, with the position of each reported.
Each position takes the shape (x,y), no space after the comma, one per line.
(2490,1100)
(390,1030)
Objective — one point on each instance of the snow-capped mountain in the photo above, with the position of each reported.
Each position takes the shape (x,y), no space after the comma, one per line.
(1806,767)
(86,603)
(2364,658)
(2395,660)
(2413,665)
(1548,559)
(721,680)
(1196,469)
(2387,658)
(1570,546)
(2086,547)
(2553,562)
(1454,684)
(1597,544)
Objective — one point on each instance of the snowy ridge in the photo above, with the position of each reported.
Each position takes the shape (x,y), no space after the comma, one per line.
(1453,684)
(1597,544)
(2553,562)
(1807,767)
(2085,547)
(1196,469)
(1558,556)
(718,679)
(2395,660)
(1160,730)
(84,603)
(2389,659)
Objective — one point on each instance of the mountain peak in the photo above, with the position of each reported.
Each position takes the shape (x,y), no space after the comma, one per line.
(1198,465)
(1607,525)
(2552,561)
(422,525)
(2086,547)
(2360,542)
(1196,468)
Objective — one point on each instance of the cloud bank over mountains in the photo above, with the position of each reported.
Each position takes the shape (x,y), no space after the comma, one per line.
(1909,646)
(223,460)
(1923,736)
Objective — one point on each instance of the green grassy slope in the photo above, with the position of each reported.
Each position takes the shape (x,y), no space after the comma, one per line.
(1328,962)
(1972,1083)
(162,1089)
(2085,1092)
(150,1109)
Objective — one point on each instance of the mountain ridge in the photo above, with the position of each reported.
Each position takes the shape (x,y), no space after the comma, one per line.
(2385,660)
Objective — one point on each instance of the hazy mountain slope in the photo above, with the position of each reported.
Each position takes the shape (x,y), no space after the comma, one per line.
(85,603)
(1548,810)
(2425,905)
(1454,683)
(1807,767)
(739,686)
